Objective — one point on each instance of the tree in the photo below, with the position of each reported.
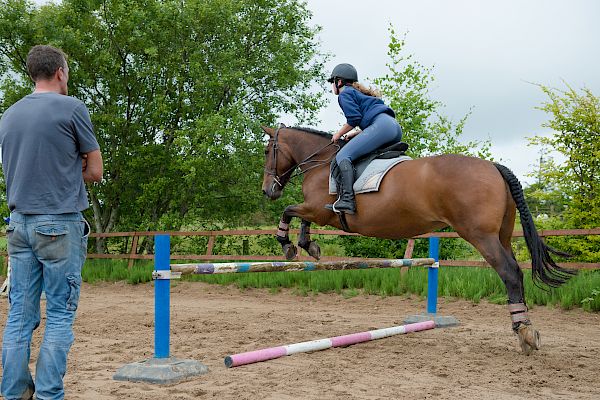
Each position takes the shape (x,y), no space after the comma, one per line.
(426,129)
(544,197)
(575,117)
(177,92)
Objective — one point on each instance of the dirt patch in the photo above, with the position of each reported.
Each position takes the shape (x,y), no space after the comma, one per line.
(477,360)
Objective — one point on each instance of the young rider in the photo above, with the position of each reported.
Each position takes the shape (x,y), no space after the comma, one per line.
(363,108)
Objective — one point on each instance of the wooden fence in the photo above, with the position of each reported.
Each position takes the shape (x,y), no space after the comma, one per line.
(132,246)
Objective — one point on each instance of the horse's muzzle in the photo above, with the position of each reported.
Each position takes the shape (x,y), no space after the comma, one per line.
(272,192)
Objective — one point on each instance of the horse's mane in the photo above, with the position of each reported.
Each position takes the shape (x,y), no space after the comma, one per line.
(312,131)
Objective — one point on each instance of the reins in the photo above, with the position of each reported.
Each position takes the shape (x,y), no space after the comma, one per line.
(277,178)
(308,160)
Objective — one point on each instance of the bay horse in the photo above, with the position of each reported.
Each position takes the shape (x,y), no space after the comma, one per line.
(477,198)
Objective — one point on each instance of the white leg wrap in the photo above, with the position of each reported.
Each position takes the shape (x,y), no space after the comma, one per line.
(518,312)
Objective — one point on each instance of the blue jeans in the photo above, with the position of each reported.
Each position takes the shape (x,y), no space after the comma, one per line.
(46,250)
(384,129)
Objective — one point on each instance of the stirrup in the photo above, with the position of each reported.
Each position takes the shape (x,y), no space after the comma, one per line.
(332,207)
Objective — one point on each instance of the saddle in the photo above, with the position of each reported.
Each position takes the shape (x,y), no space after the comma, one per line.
(393,150)
(373,166)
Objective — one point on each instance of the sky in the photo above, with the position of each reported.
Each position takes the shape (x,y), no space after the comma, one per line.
(485,55)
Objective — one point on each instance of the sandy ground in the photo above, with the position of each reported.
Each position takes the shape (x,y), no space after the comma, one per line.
(480,359)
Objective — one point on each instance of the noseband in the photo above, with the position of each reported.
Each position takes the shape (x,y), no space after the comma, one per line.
(280,179)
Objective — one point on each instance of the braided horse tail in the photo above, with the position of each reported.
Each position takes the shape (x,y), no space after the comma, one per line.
(543,267)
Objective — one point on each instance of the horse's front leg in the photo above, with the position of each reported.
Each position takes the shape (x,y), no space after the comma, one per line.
(311,247)
(283,237)
(305,212)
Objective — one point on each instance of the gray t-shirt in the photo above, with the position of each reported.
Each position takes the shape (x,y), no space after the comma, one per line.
(43,136)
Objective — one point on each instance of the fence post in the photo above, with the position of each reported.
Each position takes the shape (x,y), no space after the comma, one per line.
(133,252)
(410,246)
(211,244)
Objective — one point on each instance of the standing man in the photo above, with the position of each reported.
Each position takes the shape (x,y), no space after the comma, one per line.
(47,141)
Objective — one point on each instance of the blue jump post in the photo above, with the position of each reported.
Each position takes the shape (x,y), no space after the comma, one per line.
(432,292)
(162,297)
(162,369)
(432,275)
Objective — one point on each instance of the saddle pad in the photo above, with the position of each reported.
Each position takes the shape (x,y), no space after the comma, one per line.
(370,179)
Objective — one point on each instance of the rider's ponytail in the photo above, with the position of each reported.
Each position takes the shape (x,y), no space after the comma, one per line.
(369,91)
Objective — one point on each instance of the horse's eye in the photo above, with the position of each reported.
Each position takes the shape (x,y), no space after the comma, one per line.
(266,152)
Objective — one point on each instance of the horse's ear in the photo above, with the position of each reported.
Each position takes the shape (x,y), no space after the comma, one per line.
(268,131)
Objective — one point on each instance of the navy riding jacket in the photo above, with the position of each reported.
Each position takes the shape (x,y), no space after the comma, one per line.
(361,109)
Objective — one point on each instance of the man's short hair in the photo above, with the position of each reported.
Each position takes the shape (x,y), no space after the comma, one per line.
(43,61)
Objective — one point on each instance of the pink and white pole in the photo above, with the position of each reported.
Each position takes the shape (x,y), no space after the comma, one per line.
(271,353)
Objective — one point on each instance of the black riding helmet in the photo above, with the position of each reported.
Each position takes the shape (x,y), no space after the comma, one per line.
(345,72)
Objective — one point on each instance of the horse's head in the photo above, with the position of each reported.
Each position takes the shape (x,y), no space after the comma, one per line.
(289,149)
(279,164)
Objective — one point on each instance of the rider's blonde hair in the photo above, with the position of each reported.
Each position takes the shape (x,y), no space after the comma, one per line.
(369,91)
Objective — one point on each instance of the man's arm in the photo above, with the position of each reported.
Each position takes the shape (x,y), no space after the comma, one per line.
(92,166)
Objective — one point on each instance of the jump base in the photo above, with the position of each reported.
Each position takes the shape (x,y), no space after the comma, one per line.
(160,370)
(441,321)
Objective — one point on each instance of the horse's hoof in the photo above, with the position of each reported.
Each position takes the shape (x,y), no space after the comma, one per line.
(529,339)
(314,250)
(290,251)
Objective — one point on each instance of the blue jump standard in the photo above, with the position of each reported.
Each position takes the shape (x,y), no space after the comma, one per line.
(161,369)
(432,288)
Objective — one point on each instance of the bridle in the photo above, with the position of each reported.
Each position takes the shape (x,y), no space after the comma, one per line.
(283,178)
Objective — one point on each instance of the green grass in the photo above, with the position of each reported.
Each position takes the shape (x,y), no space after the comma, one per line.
(473,284)
(116,270)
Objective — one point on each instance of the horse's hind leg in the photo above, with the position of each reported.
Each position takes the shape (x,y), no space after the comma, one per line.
(503,261)
(529,338)
(311,247)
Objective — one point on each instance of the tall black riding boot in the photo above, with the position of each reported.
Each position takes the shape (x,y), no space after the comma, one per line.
(345,202)
(337,177)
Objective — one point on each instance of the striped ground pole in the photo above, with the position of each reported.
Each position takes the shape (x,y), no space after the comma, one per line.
(271,353)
